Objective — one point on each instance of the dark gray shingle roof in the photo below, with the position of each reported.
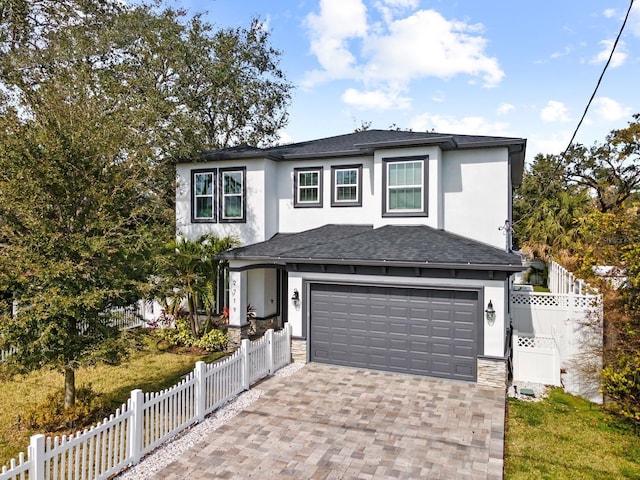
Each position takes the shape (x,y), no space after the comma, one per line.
(360,142)
(410,245)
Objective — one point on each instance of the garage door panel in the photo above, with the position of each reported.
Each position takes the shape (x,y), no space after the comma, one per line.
(401,344)
(424,332)
(397,327)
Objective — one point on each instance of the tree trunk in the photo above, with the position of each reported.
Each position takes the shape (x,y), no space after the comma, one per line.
(69,387)
(193,315)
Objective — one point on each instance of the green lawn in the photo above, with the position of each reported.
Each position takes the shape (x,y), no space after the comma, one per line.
(565,437)
(148,369)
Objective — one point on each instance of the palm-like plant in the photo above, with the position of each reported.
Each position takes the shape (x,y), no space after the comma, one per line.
(192,268)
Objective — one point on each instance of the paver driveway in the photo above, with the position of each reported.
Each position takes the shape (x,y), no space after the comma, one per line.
(328,422)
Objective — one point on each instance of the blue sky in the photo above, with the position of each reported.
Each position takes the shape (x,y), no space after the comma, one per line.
(523,69)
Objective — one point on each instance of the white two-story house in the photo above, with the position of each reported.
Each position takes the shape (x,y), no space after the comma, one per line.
(383,249)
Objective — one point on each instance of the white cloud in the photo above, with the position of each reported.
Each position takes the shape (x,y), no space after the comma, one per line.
(402,3)
(465,126)
(375,99)
(609,109)
(389,9)
(438,97)
(505,108)
(561,53)
(550,144)
(337,22)
(386,55)
(284,138)
(609,13)
(431,46)
(619,55)
(554,112)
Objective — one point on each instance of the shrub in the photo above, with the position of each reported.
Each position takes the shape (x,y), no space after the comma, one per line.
(621,383)
(51,416)
(180,335)
(212,341)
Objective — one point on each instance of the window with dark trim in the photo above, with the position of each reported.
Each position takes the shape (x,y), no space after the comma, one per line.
(307,186)
(232,195)
(346,186)
(203,196)
(404,190)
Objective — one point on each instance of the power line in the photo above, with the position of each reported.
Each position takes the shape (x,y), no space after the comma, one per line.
(613,49)
(584,114)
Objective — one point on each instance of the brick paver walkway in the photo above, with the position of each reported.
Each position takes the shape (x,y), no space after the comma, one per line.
(328,422)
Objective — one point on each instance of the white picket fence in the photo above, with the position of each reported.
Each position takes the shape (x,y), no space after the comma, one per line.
(121,317)
(149,419)
(561,280)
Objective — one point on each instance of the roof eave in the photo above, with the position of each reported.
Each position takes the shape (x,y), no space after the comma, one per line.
(383,263)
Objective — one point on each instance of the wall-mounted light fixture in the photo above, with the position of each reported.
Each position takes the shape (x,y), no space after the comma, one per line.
(490,314)
(295,298)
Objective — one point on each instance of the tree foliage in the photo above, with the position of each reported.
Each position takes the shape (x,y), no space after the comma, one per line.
(611,170)
(546,208)
(612,238)
(97,102)
(584,208)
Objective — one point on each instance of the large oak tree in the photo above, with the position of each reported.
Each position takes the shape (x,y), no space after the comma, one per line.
(97,102)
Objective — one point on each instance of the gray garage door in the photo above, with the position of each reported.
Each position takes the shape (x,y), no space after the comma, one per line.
(423,332)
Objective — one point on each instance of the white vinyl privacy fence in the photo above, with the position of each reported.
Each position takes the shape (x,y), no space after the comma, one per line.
(557,336)
(536,358)
(149,419)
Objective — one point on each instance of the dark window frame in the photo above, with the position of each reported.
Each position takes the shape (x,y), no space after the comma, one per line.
(351,203)
(424,212)
(214,186)
(296,202)
(221,172)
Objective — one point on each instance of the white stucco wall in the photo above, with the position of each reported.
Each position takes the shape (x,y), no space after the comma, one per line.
(434,197)
(263,291)
(291,219)
(468,194)
(476,192)
(253,230)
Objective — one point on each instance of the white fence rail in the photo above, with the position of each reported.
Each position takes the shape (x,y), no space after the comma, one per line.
(561,280)
(149,419)
(536,358)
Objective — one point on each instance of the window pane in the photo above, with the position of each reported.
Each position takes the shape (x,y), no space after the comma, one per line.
(204,207)
(233,206)
(346,177)
(405,199)
(405,173)
(416,177)
(232,182)
(308,179)
(346,193)
(204,184)
(393,173)
(309,194)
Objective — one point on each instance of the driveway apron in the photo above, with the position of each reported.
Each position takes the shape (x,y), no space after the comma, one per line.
(327,422)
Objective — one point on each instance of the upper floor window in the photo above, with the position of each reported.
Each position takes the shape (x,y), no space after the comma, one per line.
(232,206)
(308,187)
(224,202)
(346,186)
(404,187)
(203,200)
